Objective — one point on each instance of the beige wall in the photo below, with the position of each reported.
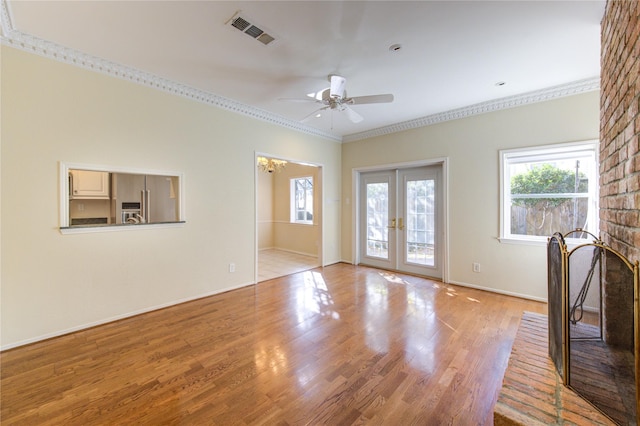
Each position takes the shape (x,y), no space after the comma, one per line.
(275,229)
(471,146)
(52,112)
(298,238)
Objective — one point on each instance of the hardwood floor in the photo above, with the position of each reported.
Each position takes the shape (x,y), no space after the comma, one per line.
(337,345)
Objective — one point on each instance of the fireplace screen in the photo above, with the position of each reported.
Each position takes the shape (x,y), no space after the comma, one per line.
(555,269)
(593,325)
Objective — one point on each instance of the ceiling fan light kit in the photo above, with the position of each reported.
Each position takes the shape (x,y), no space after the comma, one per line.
(337,86)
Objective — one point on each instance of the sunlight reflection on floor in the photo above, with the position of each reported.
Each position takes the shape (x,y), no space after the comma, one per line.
(420,329)
(314,297)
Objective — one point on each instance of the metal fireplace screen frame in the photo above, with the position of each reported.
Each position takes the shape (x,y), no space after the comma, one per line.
(556,256)
(578,330)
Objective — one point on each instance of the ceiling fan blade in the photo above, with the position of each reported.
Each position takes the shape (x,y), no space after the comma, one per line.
(309,99)
(352,115)
(314,113)
(337,86)
(372,99)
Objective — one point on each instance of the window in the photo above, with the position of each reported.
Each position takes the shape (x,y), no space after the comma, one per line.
(302,200)
(548,189)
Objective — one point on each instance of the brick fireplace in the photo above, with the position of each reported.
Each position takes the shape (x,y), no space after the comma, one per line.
(619,220)
(620,143)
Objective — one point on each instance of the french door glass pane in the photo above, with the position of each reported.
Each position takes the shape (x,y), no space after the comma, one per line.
(377,220)
(420,213)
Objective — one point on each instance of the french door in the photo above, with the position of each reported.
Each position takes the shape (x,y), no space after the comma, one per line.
(400,222)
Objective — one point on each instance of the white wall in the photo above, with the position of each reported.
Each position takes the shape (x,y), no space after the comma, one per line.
(472,146)
(54,283)
(265,211)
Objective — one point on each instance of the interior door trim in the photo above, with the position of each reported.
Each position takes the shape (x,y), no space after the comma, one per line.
(321,224)
(355,208)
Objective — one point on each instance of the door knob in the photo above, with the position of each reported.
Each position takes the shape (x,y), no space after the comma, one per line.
(393,224)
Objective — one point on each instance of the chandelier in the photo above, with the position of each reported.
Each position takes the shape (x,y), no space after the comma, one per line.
(270,165)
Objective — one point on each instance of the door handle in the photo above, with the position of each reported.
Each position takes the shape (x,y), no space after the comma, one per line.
(393,224)
(400,224)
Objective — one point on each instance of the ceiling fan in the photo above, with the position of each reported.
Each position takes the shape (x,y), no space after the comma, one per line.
(335,98)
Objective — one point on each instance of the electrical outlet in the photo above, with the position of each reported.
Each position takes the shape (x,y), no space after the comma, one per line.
(232,267)
(476,267)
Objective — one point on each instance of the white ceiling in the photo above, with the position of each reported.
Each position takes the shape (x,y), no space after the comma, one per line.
(453,52)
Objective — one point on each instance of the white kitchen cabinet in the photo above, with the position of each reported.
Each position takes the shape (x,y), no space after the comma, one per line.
(88,184)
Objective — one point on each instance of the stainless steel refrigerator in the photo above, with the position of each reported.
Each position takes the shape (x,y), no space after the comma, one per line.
(142,198)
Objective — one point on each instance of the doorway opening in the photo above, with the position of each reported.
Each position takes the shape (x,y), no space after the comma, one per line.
(288,216)
(400,218)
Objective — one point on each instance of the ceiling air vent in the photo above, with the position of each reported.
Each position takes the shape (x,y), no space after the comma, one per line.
(245,25)
(240,23)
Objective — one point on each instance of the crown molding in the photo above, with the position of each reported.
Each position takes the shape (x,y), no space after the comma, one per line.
(29,43)
(23,41)
(573,88)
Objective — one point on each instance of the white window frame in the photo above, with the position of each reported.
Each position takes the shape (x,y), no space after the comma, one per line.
(293,189)
(551,152)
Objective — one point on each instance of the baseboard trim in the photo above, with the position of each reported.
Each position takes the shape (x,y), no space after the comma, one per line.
(478,287)
(117,318)
(292,251)
(213,293)
(503,292)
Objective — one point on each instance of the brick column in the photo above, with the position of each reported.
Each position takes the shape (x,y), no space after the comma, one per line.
(620,128)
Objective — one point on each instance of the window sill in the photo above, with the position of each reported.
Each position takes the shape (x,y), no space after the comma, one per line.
(570,242)
(523,241)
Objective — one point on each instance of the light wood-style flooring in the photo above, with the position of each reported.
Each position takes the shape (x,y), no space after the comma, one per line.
(338,345)
(274,263)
